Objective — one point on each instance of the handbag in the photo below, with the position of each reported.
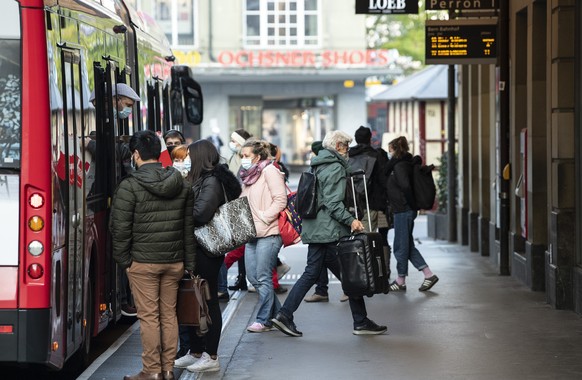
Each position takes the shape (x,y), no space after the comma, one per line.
(290,221)
(191,306)
(231,226)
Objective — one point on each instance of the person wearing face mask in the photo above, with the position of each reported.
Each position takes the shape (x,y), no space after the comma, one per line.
(237,139)
(332,222)
(181,160)
(125,98)
(264,186)
(173,138)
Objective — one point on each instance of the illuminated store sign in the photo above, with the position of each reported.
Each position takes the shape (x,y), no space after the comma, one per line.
(461,42)
(307,58)
(386,6)
(449,5)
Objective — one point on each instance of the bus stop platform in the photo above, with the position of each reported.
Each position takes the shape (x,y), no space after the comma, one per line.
(474,324)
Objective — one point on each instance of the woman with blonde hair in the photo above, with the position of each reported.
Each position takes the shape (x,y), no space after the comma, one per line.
(403,204)
(264,186)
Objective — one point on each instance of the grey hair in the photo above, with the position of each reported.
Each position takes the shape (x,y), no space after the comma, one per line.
(333,137)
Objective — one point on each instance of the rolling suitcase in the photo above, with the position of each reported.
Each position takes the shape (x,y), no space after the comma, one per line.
(361,257)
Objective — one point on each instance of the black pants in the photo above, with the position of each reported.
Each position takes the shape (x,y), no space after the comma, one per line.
(208,268)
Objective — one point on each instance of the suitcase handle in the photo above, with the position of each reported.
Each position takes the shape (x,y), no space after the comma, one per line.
(363,174)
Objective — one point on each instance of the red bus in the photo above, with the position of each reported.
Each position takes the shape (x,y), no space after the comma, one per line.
(61,158)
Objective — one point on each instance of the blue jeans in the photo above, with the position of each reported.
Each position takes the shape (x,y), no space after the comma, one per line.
(260,259)
(222,279)
(320,257)
(404,249)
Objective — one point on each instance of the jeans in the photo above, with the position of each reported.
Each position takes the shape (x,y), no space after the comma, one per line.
(404,249)
(320,256)
(222,279)
(260,259)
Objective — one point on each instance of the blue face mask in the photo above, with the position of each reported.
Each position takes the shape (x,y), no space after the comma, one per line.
(187,164)
(124,113)
(246,163)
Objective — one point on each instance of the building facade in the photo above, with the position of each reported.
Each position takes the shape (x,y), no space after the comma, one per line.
(545,250)
(284,70)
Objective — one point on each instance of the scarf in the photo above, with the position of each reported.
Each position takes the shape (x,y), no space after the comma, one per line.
(251,175)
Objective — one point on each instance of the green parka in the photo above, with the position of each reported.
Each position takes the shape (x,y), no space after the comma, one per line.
(333,219)
(151,218)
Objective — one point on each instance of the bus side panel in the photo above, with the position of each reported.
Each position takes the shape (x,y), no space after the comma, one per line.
(36,173)
(30,341)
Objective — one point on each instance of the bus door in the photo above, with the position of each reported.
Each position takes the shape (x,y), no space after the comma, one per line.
(75,149)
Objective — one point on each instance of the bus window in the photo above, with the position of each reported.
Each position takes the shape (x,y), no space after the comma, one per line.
(10,128)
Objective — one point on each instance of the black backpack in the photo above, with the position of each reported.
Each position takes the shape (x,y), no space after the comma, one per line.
(306,204)
(366,163)
(423,186)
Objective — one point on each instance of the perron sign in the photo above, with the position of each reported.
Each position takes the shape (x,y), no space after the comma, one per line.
(461,41)
(451,5)
(386,6)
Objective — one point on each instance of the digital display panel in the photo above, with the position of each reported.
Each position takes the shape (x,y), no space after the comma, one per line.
(461,42)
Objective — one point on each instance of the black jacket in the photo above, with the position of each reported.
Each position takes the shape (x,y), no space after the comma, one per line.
(151,218)
(376,190)
(399,184)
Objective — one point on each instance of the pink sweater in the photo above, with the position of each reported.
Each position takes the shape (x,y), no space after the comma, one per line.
(267,198)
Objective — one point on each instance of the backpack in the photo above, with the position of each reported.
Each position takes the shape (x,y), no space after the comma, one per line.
(423,186)
(306,204)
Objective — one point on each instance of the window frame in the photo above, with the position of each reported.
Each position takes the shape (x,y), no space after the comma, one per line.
(263,40)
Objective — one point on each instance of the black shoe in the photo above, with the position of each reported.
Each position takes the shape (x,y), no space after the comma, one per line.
(223,296)
(281,290)
(285,325)
(428,283)
(239,284)
(369,328)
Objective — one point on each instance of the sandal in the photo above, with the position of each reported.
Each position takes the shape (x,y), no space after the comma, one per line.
(428,283)
(395,287)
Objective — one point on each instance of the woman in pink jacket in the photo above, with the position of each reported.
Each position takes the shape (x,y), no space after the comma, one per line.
(264,186)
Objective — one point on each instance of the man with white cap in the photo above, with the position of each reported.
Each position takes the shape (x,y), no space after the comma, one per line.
(125,98)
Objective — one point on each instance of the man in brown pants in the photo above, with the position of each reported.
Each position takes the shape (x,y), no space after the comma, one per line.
(152,230)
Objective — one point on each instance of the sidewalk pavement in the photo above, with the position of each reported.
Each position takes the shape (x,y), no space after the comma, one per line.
(474,324)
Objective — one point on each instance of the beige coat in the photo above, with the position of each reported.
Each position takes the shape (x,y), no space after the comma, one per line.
(267,198)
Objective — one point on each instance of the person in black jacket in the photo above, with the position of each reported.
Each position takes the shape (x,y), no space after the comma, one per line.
(401,199)
(151,203)
(212,184)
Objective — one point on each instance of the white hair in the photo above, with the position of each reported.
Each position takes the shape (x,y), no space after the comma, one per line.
(333,137)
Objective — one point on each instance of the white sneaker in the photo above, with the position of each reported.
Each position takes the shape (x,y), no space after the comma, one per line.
(282,270)
(205,364)
(185,361)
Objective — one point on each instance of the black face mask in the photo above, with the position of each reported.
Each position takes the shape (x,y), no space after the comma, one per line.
(171,148)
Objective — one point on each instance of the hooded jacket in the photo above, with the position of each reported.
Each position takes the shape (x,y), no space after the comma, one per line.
(151,218)
(333,219)
(376,192)
(399,184)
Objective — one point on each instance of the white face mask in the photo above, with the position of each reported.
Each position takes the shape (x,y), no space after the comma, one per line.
(187,163)
(389,155)
(233,147)
(124,113)
(246,163)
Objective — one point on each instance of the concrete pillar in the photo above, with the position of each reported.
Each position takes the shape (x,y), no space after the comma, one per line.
(561,254)
(463,156)
(484,125)
(473,179)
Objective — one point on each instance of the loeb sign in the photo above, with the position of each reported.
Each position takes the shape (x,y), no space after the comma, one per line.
(386,6)
(307,58)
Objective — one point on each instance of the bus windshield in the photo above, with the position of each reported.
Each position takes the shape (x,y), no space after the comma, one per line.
(10,93)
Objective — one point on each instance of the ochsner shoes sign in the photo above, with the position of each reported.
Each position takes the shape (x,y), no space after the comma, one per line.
(386,6)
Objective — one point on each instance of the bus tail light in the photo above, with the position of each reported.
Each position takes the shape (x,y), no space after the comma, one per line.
(6,329)
(35,271)
(36,223)
(35,248)
(36,200)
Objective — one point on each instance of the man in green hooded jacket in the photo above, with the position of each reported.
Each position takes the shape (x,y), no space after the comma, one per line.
(333,221)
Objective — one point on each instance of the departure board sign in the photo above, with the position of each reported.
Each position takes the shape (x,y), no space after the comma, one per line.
(386,7)
(461,41)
